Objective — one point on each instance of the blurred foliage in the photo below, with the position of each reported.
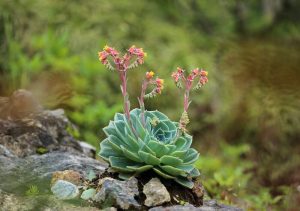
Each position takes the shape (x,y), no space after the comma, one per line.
(250,49)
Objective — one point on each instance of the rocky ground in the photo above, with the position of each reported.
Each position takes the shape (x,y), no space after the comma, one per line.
(43,167)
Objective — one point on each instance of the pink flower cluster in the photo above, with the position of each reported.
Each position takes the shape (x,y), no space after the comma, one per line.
(186,82)
(139,52)
(107,51)
(159,85)
(122,63)
(202,76)
(179,75)
(158,82)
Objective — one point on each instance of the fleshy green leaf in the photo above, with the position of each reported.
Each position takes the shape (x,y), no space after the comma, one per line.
(119,116)
(183,143)
(160,115)
(163,174)
(186,168)
(131,155)
(194,173)
(125,176)
(170,160)
(173,170)
(149,158)
(115,143)
(159,148)
(121,163)
(147,149)
(106,151)
(140,168)
(192,156)
(132,143)
(179,154)
(184,182)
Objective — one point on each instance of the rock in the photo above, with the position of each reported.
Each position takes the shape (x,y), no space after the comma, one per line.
(67,175)
(88,194)
(187,207)
(118,193)
(10,202)
(32,148)
(38,169)
(210,205)
(109,209)
(156,193)
(46,131)
(88,149)
(64,190)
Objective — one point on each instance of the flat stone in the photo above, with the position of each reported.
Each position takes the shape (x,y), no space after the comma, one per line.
(67,175)
(188,207)
(88,149)
(118,193)
(11,202)
(156,193)
(64,190)
(209,205)
(38,169)
(46,131)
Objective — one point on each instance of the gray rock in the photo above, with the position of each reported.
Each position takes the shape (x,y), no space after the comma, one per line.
(45,132)
(23,140)
(88,149)
(109,209)
(188,207)
(17,173)
(156,193)
(65,190)
(11,202)
(88,194)
(210,205)
(118,193)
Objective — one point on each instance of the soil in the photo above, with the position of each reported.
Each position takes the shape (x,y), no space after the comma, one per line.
(179,194)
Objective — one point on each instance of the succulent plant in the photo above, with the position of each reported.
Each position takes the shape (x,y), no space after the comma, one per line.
(157,145)
(140,140)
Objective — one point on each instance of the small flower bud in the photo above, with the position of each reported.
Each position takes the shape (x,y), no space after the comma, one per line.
(150,74)
(159,82)
(203,73)
(196,71)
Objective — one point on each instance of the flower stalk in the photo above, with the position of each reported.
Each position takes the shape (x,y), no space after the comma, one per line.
(131,59)
(158,86)
(186,83)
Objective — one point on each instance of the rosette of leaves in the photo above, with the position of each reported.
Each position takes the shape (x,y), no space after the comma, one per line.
(156,145)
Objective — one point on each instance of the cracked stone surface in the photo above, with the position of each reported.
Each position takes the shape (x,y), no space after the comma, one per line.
(156,193)
(209,205)
(118,193)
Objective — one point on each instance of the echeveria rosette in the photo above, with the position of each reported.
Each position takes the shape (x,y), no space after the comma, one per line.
(157,147)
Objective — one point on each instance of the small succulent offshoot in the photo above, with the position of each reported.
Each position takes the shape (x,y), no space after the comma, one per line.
(141,140)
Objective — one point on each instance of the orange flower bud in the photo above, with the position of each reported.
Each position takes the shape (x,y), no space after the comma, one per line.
(150,74)
(203,73)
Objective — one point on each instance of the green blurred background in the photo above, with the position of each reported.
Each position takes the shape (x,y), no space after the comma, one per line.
(245,122)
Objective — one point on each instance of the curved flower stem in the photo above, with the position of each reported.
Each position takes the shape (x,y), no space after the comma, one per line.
(123,77)
(141,101)
(184,119)
(124,93)
(186,99)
